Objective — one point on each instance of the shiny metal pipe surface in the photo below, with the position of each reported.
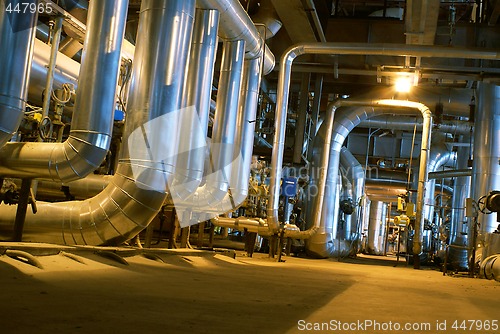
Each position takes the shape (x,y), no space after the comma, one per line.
(451,173)
(137,190)
(356,175)
(17,34)
(92,122)
(377,228)
(221,156)
(235,24)
(66,71)
(485,167)
(460,232)
(198,91)
(407,123)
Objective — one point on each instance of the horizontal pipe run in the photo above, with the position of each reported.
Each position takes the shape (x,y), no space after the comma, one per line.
(402,50)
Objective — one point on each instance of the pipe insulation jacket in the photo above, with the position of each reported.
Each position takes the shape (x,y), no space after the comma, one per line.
(138,189)
(17,35)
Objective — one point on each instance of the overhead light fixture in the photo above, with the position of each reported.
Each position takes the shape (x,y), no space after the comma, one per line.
(403,84)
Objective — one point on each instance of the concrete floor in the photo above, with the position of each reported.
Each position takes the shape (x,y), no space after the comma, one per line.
(199,292)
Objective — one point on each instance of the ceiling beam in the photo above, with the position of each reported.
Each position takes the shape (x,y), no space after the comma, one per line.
(295,20)
(421,19)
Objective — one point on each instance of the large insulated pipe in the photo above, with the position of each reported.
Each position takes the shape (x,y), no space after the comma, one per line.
(440,155)
(235,24)
(356,175)
(198,92)
(17,34)
(221,156)
(459,232)
(137,190)
(285,72)
(486,167)
(92,123)
(243,147)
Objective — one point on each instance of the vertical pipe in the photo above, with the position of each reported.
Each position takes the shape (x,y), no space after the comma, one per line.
(22,207)
(137,190)
(198,90)
(377,227)
(54,48)
(92,122)
(245,130)
(301,121)
(224,129)
(16,45)
(486,167)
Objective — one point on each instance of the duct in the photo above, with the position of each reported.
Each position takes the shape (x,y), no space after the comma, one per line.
(459,234)
(345,121)
(407,123)
(235,24)
(81,189)
(198,91)
(377,228)
(450,173)
(346,193)
(485,168)
(137,190)
(16,44)
(351,49)
(439,156)
(92,122)
(356,175)
(217,179)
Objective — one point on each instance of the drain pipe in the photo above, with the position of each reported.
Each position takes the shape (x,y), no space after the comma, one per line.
(235,24)
(17,34)
(286,62)
(136,192)
(92,122)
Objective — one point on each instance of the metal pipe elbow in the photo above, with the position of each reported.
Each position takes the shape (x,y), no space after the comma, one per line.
(78,156)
